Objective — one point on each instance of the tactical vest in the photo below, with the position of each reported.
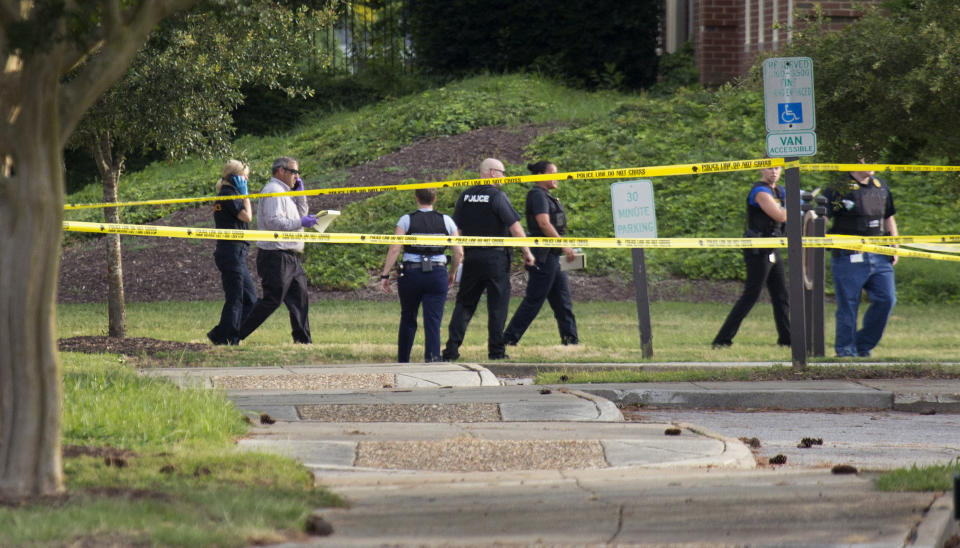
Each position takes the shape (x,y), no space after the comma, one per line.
(865,217)
(476,217)
(759,224)
(428,223)
(557,217)
(226,220)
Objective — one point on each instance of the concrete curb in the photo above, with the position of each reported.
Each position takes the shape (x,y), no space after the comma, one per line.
(341,376)
(790,395)
(938,525)
(737,454)
(606,409)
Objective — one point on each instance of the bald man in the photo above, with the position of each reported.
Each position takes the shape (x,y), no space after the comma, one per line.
(485,210)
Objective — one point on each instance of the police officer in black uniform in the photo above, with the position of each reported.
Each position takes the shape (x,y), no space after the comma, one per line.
(861,205)
(424,277)
(484,210)
(546,281)
(765,218)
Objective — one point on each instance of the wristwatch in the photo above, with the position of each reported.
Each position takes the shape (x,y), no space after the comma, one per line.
(384,276)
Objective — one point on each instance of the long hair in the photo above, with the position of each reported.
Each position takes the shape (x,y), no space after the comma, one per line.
(540,167)
(231,168)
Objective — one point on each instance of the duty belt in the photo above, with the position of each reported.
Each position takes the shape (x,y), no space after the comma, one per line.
(411,265)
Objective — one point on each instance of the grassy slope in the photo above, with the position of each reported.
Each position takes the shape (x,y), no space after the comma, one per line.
(598,130)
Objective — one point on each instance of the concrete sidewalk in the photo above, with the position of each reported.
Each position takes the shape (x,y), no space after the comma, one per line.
(912,395)
(470,429)
(444,455)
(333,377)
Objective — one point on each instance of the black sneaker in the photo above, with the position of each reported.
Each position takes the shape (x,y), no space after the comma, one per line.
(215,340)
(510,342)
(568,340)
(499,357)
(449,356)
(724,344)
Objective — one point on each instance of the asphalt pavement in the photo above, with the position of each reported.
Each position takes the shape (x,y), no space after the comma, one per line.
(445,455)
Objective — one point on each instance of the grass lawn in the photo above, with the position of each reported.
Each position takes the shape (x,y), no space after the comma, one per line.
(365,332)
(183,484)
(148,464)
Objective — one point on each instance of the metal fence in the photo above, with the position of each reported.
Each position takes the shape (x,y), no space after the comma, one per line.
(369,33)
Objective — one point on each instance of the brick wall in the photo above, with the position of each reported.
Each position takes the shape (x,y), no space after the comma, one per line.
(729,34)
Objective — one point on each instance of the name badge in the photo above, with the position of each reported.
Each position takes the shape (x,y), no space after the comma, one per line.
(856,258)
(773,257)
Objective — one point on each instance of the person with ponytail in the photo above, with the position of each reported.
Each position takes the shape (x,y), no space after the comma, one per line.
(546,281)
(230,256)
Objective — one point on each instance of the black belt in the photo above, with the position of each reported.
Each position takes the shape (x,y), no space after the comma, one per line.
(285,251)
(418,266)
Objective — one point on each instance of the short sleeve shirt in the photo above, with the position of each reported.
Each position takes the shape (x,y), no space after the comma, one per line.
(404,224)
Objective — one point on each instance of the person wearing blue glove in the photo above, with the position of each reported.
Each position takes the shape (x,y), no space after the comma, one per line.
(280,262)
(307,221)
(230,256)
(240,183)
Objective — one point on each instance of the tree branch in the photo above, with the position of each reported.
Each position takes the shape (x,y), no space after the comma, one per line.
(122,39)
(102,153)
(9,11)
(111,16)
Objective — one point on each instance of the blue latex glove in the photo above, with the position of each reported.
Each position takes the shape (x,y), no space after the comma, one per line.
(239,183)
(299,185)
(308,220)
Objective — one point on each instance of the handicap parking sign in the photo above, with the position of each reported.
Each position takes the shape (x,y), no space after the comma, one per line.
(790,113)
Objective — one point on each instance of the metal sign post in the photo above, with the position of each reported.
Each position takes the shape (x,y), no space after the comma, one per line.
(798,342)
(790,117)
(635,217)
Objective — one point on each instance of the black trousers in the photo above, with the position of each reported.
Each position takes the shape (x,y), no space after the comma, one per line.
(483,270)
(284,281)
(760,271)
(417,287)
(240,293)
(545,282)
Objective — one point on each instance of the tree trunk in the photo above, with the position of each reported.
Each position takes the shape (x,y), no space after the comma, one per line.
(31,224)
(110,174)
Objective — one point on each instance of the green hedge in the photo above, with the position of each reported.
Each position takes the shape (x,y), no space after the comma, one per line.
(593,130)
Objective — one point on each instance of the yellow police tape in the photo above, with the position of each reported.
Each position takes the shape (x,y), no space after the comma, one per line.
(874,245)
(876,167)
(650,171)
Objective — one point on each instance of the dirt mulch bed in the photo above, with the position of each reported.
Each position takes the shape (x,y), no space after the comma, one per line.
(74,451)
(129,346)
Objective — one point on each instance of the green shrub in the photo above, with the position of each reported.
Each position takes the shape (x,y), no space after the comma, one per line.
(691,126)
(924,280)
(591,131)
(677,70)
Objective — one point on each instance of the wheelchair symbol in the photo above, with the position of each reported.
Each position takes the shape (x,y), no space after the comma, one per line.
(790,113)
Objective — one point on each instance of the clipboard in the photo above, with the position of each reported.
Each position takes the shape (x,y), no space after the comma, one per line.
(324,218)
(579,262)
